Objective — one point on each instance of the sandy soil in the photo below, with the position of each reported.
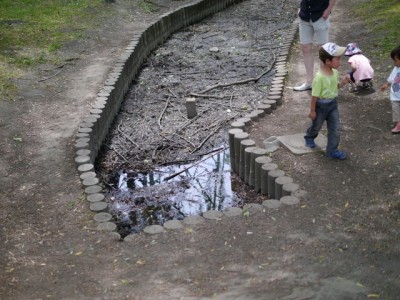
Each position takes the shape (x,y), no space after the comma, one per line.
(342,241)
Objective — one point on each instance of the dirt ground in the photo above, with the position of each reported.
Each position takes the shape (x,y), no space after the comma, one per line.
(341,242)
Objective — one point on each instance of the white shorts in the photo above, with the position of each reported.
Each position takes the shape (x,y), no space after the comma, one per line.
(318,30)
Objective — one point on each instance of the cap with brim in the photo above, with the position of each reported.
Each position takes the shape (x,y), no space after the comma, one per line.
(333,49)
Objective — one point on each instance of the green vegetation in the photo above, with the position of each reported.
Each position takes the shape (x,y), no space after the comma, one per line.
(383,19)
(31,32)
(146,6)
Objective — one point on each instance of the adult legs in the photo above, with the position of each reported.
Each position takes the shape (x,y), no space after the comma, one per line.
(307,50)
(310,31)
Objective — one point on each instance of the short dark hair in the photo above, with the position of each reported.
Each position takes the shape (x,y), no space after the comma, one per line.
(323,55)
(395,53)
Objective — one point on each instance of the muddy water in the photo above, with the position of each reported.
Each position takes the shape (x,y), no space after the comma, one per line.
(173,192)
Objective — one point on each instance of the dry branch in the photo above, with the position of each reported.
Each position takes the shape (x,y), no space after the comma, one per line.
(162,113)
(255,79)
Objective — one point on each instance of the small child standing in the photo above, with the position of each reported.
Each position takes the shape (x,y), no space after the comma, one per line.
(361,72)
(324,105)
(393,82)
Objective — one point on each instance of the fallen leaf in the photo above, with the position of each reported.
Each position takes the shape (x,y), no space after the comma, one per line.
(373,296)
(359,284)
(140,262)
(245,213)
(188,230)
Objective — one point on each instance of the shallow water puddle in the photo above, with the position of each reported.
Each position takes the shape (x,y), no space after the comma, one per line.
(173,192)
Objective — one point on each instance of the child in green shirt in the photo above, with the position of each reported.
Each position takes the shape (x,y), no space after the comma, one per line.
(324,105)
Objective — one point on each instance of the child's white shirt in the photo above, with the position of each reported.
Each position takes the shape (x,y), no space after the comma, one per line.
(394,79)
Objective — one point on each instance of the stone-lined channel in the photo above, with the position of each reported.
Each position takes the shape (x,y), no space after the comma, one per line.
(152,130)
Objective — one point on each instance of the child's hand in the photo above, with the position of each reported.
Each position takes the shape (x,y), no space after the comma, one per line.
(312,115)
(344,81)
(384,86)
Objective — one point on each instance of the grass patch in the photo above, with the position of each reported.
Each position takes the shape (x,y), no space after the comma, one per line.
(31,32)
(382,18)
(146,6)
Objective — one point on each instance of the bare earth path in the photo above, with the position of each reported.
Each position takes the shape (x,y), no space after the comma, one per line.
(342,242)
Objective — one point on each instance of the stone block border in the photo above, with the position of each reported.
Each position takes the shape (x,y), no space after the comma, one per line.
(94,128)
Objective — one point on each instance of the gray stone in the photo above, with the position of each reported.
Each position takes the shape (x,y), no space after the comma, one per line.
(87,175)
(93,189)
(90,181)
(212,215)
(193,220)
(290,200)
(102,217)
(252,207)
(107,226)
(173,224)
(98,206)
(272,203)
(153,229)
(83,152)
(131,237)
(232,211)
(79,160)
(95,197)
(289,188)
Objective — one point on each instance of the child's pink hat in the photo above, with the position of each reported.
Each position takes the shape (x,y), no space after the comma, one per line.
(352,49)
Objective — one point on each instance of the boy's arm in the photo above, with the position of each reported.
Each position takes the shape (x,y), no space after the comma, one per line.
(313,108)
(344,81)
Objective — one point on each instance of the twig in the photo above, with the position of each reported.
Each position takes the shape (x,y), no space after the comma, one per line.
(112,148)
(230,102)
(127,137)
(162,113)
(54,75)
(205,140)
(211,133)
(189,142)
(207,96)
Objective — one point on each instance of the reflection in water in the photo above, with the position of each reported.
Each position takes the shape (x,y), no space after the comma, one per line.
(174,192)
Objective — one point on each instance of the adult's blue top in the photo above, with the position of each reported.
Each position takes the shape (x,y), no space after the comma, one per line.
(312,9)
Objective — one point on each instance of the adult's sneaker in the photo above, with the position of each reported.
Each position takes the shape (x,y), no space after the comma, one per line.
(303,87)
(337,154)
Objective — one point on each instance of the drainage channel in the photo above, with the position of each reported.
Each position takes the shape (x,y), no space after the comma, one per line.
(226,63)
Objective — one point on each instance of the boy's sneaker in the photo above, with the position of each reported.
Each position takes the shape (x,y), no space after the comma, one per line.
(310,143)
(337,154)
